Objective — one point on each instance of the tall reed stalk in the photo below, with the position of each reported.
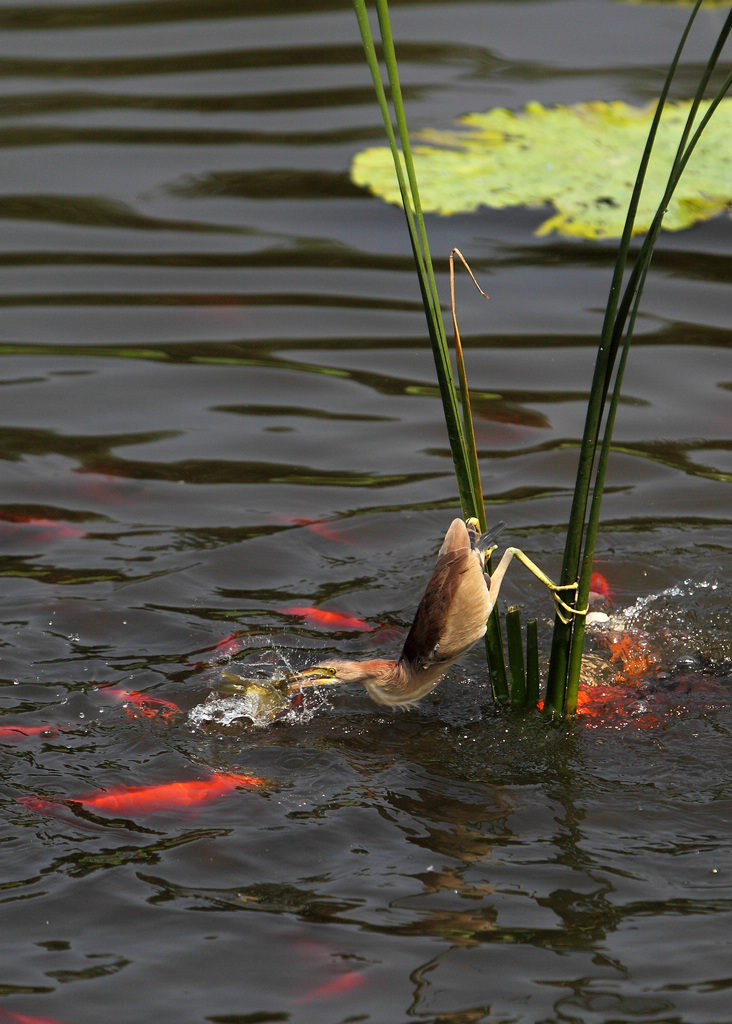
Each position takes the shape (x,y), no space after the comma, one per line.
(620,315)
(616,336)
(459,431)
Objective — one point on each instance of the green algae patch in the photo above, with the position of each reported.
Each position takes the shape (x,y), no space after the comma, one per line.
(582,160)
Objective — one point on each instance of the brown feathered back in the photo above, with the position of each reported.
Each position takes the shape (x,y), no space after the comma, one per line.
(454,610)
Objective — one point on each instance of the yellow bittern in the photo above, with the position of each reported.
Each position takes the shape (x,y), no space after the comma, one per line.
(452,616)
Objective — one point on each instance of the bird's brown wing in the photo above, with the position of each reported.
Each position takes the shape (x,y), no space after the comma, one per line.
(454,609)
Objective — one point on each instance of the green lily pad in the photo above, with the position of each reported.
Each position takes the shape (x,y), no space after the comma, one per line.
(581,159)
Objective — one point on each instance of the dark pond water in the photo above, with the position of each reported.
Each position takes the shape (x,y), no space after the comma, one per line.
(208,338)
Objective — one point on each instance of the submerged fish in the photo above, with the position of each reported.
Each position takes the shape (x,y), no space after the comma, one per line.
(8,1017)
(221,652)
(16,732)
(323,617)
(599,587)
(319,526)
(229,645)
(140,705)
(151,799)
(342,983)
(50,529)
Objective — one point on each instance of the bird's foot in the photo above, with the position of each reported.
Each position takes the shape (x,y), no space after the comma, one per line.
(565,611)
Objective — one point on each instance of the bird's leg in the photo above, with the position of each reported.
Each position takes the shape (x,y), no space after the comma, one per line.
(564,610)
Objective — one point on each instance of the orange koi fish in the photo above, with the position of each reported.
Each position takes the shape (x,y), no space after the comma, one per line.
(126,800)
(319,526)
(599,586)
(612,707)
(615,707)
(100,483)
(221,651)
(16,732)
(633,654)
(330,620)
(343,983)
(50,529)
(140,705)
(229,646)
(8,1017)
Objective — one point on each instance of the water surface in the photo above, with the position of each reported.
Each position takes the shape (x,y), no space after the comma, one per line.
(208,336)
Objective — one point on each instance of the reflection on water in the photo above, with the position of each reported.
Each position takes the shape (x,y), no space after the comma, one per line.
(218,406)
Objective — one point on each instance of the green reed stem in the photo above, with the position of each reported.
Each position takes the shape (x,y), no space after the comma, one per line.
(464,454)
(575,656)
(563,679)
(557,678)
(631,302)
(532,663)
(516,657)
(469,432)
(420,245)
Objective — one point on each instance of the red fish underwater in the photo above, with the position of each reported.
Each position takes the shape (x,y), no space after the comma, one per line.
(599,587)
(319,526)
(8,1017)
(137,800)
(330,620)
(140,705)
(228,646)
(321,963)
(222,651)
(342,983)
(46,530)
(17,732)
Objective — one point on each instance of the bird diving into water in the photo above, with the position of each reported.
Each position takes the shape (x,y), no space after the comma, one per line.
(452,616)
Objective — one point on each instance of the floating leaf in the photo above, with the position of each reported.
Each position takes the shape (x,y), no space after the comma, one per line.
(582,160)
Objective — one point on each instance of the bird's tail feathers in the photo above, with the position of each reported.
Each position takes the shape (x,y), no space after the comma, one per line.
(488,539)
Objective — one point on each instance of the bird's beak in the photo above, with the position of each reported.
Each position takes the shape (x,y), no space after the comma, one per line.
(318,676)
